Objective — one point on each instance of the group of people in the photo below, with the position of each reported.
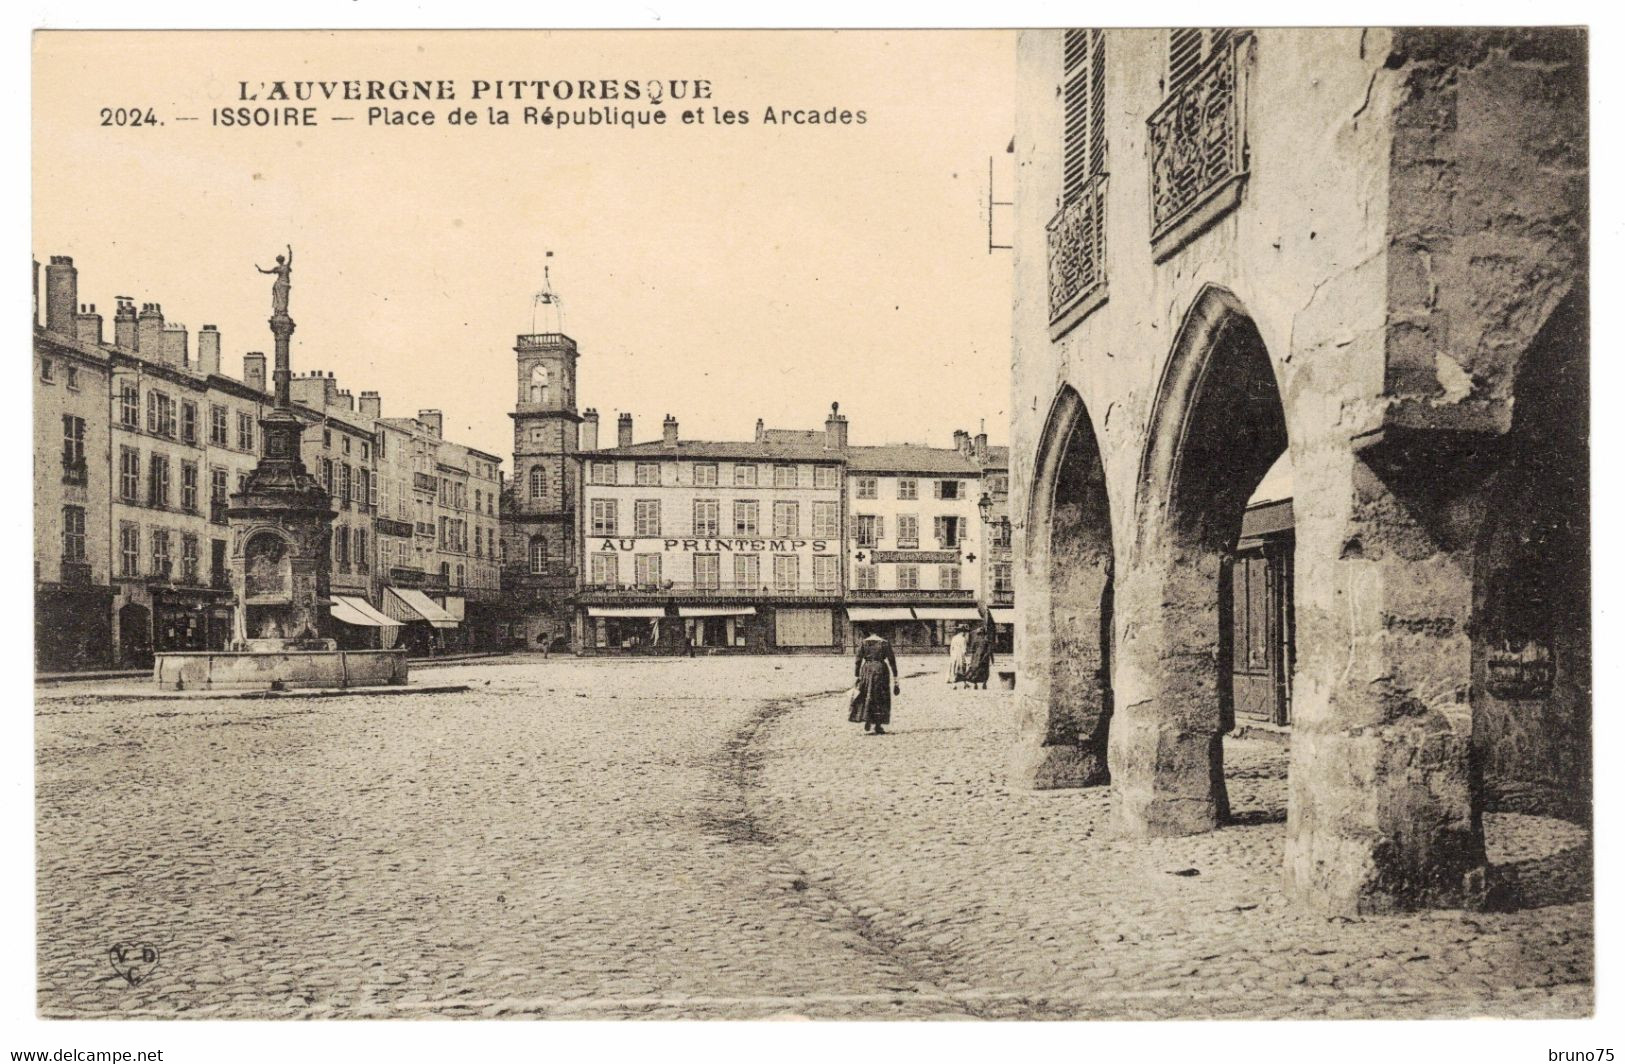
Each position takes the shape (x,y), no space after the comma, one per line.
(970,656)
(970,660)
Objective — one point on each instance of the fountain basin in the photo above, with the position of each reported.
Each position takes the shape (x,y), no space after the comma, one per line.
(272,670)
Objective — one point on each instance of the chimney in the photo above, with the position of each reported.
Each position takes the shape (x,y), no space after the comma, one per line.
(981,447)
(761,430)
(588,433)
(961,440)
(372,405)
(348,399)
(669,431)
(88,325)
(308,390)
(61,294)
(330,390)
(835,429)
(124,323)
(176,344)
(208,351)
(432,419)
(149,332)
(254,370)
(623,431)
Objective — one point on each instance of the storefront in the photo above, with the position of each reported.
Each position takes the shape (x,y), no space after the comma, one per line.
(1004,629)
(945,620)
(424,622)
(895,624)
(72,627)
(358,625)
(190,619)
(712,628)
(630,628)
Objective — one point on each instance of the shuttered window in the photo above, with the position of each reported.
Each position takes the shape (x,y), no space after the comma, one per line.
(1188,50)
(1083,93)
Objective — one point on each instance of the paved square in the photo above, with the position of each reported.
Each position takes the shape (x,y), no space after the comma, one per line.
(704,838)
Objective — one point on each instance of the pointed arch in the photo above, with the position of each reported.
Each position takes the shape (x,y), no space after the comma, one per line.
(1217,425)
(1066,704)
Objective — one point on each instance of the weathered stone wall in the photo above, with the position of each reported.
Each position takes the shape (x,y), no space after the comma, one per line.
(1412,211)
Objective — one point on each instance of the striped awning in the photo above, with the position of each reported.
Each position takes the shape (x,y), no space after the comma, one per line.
(947,613)
(879,613)
(626,611)
(410,604)
(352,609)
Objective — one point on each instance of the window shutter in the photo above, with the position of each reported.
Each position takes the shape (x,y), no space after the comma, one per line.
(1083,99)
(880,530)
(1185,49)
(1188,50)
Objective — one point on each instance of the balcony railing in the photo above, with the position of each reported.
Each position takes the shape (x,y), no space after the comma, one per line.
(911,595)
(1197,150)
(220,580)
(426,482)
(1077,249)
(719,589)
(217,512)
(74,470)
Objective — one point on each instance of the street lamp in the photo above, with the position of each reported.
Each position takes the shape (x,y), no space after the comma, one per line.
(985,507)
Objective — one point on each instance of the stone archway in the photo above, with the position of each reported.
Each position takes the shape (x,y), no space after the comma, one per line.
(1216,427)
(1066,701)
(1531,621)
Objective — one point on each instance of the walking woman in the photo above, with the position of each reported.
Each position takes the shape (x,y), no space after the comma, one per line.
(979,657)
(876,670)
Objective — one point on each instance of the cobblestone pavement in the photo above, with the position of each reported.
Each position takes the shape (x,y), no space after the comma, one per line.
(679,838)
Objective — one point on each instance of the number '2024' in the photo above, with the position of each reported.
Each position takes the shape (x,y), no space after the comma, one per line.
(128,116)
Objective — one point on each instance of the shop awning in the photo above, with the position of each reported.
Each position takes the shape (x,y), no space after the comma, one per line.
(947,613)
(352,609)
(1002,616)
(454,606)
(716,611)
(410,604)
(626,611)
(879,613)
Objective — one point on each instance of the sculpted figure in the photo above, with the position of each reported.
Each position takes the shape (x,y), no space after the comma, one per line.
(283,270)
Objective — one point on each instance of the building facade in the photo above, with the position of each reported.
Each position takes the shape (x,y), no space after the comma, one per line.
(140,441)
(705,546)
(1366,251)
(792,541)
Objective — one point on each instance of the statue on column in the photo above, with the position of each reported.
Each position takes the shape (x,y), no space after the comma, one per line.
(283,270)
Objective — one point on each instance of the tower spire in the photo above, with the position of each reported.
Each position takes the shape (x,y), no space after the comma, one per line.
(547,297)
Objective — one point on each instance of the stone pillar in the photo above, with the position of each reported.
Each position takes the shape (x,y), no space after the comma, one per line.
(1384,810)
(1064,699)
(1165,753)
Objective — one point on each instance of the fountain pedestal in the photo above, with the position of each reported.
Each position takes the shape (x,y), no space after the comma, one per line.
(281,539)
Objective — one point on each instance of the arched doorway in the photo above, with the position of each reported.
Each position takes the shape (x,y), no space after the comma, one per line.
(1066,699)
(135,635)
(1531,627)
(1217,426)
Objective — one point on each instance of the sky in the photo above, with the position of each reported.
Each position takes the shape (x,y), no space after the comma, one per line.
(716,273)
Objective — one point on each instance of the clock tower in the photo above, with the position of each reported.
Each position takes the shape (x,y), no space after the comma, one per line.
(540,554)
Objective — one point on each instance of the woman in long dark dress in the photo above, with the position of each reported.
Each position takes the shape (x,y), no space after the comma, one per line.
(979,657)
(876,670)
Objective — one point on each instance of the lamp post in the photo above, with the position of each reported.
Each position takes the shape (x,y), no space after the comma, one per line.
(984,506)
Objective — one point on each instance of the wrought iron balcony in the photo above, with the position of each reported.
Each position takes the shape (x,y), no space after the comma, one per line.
(1197,148)
(74,470)
(1077,250)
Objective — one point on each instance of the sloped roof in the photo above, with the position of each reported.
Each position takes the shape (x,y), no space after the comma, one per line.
(733,450)
(909,458)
